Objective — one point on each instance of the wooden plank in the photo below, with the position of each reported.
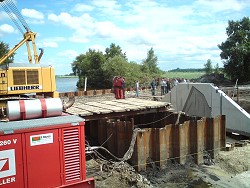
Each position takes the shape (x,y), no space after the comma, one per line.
(148,104)
(140,106)
(114,103)
(77,111)
(127,107)
(105,106)
(93,109)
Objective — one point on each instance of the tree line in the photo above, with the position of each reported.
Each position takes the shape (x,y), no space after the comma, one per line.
(100,67)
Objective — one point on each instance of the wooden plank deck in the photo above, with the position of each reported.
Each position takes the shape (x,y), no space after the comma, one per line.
(105,106)
(81,108)
(79,111)
(148,103)
(127,107)
(119,107)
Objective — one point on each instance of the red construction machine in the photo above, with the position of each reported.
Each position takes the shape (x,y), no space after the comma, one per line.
(42,147)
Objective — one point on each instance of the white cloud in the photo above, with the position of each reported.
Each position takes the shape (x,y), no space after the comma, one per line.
(107,7)
(6,29)
(222,5)
(97,47)
(82,8)
(3,15)
(57,39)
(136,53)
(81,36)
(70,54)
(32,13)
(73,22)
(182,34)
(108,29)
(49,44)
(53,17)
(156,17)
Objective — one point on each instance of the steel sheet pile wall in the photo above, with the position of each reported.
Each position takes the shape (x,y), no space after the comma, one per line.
(115,135)
(191,137)
(178,142)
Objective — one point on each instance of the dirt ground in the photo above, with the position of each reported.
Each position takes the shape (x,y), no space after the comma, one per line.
(228,169)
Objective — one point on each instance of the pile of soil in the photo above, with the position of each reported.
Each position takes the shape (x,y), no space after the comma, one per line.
(216,79)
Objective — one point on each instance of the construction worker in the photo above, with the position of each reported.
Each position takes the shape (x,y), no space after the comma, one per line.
(116,87)
(120,88)
(153,87)
(137,89)
(123,87)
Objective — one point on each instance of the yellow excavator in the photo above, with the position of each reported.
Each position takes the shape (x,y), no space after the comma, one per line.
(19,80)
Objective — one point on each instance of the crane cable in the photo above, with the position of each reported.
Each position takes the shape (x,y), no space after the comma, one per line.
(5,7)
(10,8)
(18,15)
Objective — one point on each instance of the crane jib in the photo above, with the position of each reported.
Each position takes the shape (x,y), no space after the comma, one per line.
(29,36)
(19,80)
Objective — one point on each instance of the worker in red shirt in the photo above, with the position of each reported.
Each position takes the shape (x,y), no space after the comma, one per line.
(120,90)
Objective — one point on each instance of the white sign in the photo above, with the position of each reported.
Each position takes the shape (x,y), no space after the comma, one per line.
(7,163)
(41,139)
(25,87)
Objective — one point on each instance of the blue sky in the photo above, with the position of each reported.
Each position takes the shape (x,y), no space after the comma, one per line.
(183,33)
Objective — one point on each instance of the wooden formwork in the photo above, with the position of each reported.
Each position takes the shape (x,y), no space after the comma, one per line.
(160,144)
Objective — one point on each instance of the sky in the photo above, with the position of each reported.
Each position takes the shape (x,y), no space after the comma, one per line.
(182,33)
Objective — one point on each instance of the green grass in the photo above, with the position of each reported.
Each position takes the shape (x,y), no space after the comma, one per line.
(186,75)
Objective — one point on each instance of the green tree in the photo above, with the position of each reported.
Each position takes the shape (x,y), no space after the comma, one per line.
(208,67)
(115,66)
(90,65)
(236,50)
(113,51)
(100,68)
(150,63)
(133,74)
(216,69)
(4,49)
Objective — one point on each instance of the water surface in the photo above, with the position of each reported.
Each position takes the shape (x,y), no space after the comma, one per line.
(66,84)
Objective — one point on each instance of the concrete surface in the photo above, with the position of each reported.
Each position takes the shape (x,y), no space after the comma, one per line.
(207,100)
